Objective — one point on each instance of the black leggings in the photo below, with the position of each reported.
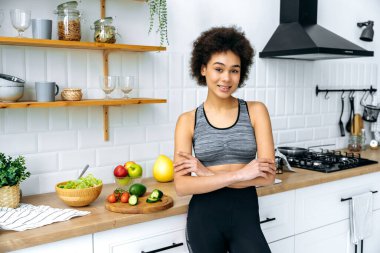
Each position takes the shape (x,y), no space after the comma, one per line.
(226,220)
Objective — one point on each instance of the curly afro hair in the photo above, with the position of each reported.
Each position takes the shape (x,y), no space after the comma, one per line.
(217,40)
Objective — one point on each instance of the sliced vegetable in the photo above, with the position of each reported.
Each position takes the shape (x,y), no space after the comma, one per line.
(133,199)
(82,183)
(152,200)
(156,194)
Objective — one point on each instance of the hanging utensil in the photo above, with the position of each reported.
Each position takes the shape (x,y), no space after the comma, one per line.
(349,122)
(341,126)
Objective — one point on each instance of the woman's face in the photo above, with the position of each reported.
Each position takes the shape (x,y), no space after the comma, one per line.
(222,73)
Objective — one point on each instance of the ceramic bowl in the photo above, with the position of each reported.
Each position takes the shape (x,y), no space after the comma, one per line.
(11,93)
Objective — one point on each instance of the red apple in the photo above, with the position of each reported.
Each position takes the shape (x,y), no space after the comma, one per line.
(120,171)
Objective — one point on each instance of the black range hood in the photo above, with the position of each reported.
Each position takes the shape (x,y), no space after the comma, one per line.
(300,37)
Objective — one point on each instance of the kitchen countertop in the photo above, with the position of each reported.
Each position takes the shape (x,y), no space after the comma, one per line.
(100,219)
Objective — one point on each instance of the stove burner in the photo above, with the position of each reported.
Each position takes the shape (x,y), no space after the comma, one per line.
(328,161)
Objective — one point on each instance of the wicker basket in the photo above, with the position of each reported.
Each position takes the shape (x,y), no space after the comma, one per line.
(71,94)
(10,196)
(78,197)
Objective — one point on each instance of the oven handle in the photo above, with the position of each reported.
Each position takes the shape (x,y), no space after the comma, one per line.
(342,199)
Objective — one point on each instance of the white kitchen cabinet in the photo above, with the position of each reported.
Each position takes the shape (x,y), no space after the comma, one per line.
(283,246)
(81,244)
(334,238)
(279,207)
(144,237)
(320,205)
(372,244)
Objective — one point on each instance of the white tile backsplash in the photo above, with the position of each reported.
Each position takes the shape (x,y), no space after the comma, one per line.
(76,159)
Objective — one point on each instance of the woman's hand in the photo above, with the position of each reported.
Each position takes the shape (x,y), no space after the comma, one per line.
(190,164)
(261,167)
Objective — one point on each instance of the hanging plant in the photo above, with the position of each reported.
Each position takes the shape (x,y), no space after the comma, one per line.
(158,10)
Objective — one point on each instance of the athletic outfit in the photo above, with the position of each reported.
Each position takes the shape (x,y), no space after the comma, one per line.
(226,219)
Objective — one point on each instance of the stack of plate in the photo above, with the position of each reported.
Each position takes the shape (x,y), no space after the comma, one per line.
(11,88)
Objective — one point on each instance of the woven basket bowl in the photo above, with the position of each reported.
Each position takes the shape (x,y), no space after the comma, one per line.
(78,197)
(71,94)
(10,196)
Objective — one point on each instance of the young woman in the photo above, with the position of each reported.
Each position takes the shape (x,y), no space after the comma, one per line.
(233,148)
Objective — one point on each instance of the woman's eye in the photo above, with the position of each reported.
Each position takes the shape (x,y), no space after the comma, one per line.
(235,71)
(219,70)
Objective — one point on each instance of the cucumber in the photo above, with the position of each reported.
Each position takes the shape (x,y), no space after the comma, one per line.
(150,200)
(137,189)
(133,199)
(156,194)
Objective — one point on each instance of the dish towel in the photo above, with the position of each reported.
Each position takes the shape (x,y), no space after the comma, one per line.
(28,216)
(361,209)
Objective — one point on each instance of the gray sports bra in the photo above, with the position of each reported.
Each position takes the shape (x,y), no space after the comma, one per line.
(234,144)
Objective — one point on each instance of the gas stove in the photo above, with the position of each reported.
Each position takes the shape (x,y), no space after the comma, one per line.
(328,161)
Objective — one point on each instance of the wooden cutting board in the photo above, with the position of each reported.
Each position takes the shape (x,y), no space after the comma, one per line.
(142,206)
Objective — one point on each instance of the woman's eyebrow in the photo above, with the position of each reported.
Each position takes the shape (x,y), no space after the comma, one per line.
(233,66)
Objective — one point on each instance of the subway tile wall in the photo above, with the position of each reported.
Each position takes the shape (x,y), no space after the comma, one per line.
(58,142)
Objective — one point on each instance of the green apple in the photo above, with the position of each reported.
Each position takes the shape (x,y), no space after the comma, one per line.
(135,170)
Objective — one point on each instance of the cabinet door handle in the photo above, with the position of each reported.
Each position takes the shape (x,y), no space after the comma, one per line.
(174,245)
(342,199)
(267,220)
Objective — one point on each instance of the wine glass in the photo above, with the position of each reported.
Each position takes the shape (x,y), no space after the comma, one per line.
(108,84)
(20,20)
(126,84)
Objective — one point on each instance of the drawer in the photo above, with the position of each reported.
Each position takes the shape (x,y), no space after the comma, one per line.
(169,242)
(320,205)
(277,215)
(283,246)
(146,236)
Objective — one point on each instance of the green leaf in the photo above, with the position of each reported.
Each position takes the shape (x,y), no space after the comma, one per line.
(12,171)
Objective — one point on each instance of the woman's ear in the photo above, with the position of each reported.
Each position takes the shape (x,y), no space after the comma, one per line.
(203,70)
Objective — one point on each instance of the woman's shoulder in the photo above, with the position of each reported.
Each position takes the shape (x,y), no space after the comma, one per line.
(186,119)
(256,106)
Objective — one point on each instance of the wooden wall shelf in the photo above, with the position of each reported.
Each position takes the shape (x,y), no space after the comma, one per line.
(87,102)
(13,41)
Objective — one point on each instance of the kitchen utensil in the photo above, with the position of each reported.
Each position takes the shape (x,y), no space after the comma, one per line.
(20,20)
(69,21)
(11,93)
(141,207)
(357,124)
(46,91)
(83,171)
(41,28)
(341,126)
(78,197)
(352,111)
(8,80)
(296,152)
(292,151)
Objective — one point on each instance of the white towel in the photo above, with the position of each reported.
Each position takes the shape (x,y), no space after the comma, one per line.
(28,216)
(361,209)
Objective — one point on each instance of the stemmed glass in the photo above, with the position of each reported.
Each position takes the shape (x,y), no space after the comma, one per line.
(20,20)
(108,84)
(126,84)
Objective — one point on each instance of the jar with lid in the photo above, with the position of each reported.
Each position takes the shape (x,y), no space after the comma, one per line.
(104,31)
(69,19)
(355,143)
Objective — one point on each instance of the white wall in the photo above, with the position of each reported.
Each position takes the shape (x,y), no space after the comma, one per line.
(58,142)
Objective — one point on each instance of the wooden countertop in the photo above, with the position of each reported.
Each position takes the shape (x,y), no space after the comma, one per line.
(100,219)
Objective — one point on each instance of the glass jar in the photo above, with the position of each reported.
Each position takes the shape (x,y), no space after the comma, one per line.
(104,31)
(355,143)
(68,21)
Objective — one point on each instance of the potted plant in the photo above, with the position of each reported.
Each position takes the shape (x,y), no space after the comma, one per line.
(158,10)
(12,172)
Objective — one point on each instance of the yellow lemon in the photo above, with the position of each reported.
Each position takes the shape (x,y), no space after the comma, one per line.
(163,170)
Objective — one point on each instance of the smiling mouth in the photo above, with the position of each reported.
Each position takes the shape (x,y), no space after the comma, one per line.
(224,88)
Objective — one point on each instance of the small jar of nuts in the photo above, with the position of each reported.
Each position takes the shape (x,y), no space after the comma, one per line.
(104,31)
(68,21)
